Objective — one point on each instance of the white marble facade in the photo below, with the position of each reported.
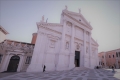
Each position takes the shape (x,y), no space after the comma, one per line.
(57,42)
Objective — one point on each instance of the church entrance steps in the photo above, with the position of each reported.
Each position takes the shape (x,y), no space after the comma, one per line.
(80,68)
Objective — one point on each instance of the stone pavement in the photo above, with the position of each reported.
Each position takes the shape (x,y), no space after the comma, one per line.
(7,74)
(88,74)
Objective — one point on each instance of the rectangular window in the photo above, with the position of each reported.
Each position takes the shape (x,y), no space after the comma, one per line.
(102,56)
(109,56)
(28,59)
(116,54)
(119,54)
(1,58)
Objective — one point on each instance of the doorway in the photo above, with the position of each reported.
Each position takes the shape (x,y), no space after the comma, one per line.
(13,64)
(77,58)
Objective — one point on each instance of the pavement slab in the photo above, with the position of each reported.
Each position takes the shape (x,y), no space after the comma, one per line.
(89,74)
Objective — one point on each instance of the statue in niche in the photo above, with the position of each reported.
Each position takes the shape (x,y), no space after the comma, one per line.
(52,44)
(79,10)
(67,45)
(66,7)
(87,50)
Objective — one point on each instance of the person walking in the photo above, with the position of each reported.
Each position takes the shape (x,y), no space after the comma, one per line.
(44,68)
(112,69)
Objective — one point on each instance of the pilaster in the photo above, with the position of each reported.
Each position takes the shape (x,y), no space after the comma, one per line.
(63,38)
(20,63)
(61,64)
(72,40)
(90,56)
(72,49)
(84,46)
(3,67)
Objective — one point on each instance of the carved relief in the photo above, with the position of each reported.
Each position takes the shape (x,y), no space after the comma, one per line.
(78,47)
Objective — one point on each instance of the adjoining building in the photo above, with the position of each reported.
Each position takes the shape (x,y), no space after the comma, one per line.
(110,58)
(64,45)
(14,55)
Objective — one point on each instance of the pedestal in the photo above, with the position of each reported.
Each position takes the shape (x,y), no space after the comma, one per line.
(61,64)
(71,63)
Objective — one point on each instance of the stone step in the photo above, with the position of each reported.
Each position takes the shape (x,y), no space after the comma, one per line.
(80,68)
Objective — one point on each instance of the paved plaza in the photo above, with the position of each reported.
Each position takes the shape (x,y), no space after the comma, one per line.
(88,74)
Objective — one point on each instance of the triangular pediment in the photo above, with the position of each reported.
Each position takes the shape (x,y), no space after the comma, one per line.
(79,17)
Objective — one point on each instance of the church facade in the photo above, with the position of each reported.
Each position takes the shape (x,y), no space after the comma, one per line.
(64,45)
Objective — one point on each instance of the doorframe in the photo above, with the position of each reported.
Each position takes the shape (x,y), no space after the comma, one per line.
(79,61)
(7,60)
(11,59)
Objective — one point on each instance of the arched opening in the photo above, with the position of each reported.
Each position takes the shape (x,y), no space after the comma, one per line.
(13,64)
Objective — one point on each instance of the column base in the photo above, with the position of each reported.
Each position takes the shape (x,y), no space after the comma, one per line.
(71,63)
(35,68)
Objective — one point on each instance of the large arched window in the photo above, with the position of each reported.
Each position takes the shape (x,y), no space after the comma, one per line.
(119,54)
(109,56)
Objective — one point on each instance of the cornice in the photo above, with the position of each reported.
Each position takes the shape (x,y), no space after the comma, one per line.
(46,27)
(3,30)
(49,24)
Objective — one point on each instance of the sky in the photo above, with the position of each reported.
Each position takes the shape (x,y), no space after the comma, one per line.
(19,18)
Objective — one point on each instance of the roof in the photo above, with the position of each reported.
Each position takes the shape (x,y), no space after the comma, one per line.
(111,50)
(3,30)
(10,41)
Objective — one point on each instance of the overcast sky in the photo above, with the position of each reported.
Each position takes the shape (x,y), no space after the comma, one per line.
(19,18)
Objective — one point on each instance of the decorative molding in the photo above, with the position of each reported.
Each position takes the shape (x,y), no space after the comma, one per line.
(54,38)
(16,47)
(49,24)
